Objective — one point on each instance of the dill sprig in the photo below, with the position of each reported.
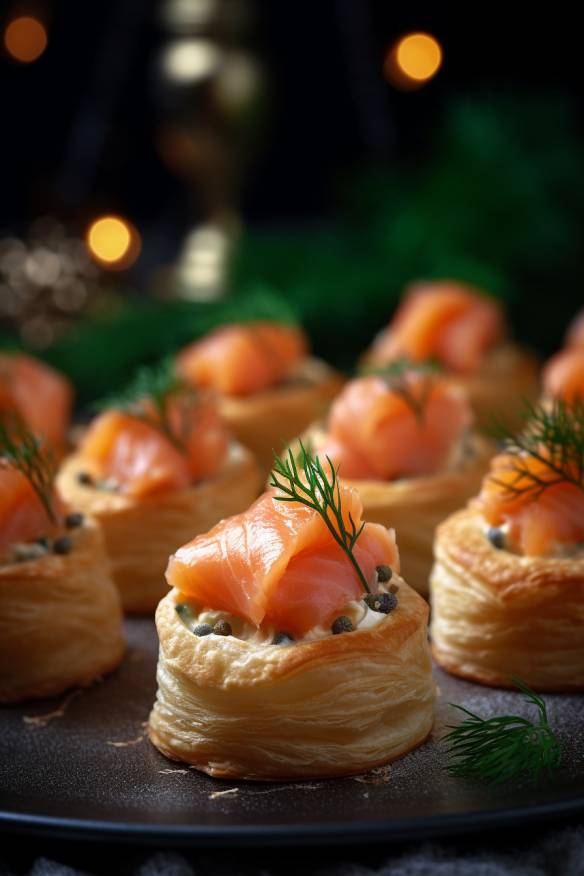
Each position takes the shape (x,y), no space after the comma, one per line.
(396,375)
(495,750)
(305,480)
(22,450)
(554,436)
(147,398)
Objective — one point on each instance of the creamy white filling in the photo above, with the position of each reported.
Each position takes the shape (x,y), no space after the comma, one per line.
(557,550)
(361,616)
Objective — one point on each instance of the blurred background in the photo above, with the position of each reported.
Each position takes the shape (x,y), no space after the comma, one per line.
(169,164)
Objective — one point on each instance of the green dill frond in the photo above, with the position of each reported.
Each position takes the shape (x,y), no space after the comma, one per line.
(496,750)
(22,450)
(396,375)
(554,436)
(147,398)
(303,479)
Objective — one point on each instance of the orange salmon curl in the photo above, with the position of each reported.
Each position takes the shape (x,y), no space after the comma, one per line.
(542,510)
(23,517)
(448,321)
(563,375)
(374,432)
(143,460)
(278,564)
(240,360)
(41,396)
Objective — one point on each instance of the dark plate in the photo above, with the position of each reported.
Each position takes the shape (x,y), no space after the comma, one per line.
(89,771)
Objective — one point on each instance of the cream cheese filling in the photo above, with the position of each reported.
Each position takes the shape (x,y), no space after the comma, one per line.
(558,550)
(361,616)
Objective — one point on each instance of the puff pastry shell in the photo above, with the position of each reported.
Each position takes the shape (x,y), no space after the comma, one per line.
(60,620)
(507,376)
(496,614)
(334,706)
(141,533)
(269,420)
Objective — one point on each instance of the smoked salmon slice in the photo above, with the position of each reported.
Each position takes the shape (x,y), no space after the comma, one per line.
(374,432)
(23,517)
(537,522)
(278,564)
(39,394)
(142,460)
(563,375)
(239,360)
(447,321)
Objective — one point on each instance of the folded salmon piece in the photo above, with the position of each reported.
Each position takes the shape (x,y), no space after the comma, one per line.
(23,517)
(447,321)
(39,394)
(142,460)
(563,375)
(240,360)
(374,432)
(278,564)
(537,522)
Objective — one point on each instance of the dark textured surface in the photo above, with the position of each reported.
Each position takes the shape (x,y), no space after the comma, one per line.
(65,775)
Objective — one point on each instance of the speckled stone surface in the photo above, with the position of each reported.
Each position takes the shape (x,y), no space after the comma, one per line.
(81,765)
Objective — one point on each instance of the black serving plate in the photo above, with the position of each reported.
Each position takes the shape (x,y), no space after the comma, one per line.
(81,766)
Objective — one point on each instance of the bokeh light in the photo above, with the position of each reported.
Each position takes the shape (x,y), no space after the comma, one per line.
(113,242)
(413,60)
(25,39)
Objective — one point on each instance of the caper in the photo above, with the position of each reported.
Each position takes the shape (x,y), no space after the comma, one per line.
(496,536)
(73,520)
(282,639)
(203,630)
(342,624)
(384,573)
(383,602)
(62,545)
(222,628)
(84,478)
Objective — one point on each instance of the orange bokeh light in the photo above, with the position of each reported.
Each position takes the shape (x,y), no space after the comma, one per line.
(25,39)
(113,242)
(413,60)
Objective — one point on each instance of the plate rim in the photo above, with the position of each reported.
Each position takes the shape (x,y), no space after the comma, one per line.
(143,833)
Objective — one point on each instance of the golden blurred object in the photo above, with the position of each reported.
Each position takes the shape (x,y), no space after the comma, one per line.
(25,39)
(113,242)
(413,60)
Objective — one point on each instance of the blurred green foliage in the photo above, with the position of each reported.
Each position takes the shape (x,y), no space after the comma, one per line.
(498,201)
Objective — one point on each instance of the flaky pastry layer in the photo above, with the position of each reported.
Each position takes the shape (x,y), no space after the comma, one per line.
(269,420)
(496,614)
(60,620)
(141,533)
(335,706)
(507,377)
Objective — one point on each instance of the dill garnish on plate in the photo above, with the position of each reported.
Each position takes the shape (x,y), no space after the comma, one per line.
(496,750)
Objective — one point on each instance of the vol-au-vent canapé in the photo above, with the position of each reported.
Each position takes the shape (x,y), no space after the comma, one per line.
(507,587)
(289,645)
(154,468)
